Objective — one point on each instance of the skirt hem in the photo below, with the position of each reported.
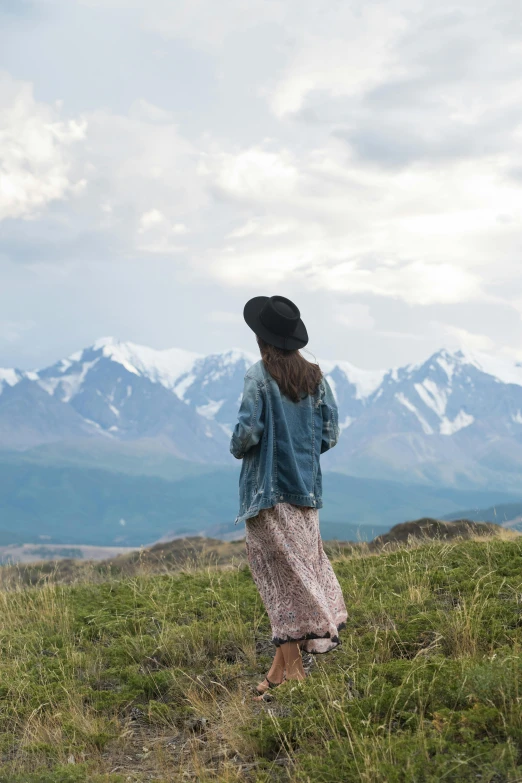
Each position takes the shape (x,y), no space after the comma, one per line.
(278,641)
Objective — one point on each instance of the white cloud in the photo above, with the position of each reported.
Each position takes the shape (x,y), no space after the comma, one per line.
(356,316)
(35,151)
(253,174)
(348,52)
(462,338)
(114,164)
(117,167)
(149,219)
(417,282)
(14,331)
(144,111)
(422,235)
(160,233)
(136,162)
(343,149)
(261,227)
(258,266)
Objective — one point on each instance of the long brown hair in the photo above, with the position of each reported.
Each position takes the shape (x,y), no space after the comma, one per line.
(295,375)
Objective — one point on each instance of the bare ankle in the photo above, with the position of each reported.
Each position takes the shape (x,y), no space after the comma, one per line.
(295,673)
(276,672)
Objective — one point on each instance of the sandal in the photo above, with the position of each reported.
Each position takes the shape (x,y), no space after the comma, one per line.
(270,685)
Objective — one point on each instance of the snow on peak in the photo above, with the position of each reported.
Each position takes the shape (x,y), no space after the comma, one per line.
(504,369)
(365,381)
(164,366)
(69,384)
(9,377)
(445,361)
(159,366)
(411,407)
(210,409)
(102,342)
(346,423)
(461,420)
(432,396)
(214,367)
(235,355)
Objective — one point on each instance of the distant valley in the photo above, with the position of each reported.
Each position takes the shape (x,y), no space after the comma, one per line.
(83,501)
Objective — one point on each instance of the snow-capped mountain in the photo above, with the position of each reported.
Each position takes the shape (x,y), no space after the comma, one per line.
(455,419)
(114,390)
(213,386)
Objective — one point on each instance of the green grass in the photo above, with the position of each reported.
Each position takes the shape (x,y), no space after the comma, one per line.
(148,677)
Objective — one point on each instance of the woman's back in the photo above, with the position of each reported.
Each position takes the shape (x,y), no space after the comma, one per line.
(280,442)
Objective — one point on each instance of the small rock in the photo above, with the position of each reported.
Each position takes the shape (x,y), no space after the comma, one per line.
(196,724)
(136,713)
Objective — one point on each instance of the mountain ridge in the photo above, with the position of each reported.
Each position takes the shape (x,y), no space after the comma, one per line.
(454,419)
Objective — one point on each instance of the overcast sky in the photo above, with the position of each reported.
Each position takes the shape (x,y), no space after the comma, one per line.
(162,162)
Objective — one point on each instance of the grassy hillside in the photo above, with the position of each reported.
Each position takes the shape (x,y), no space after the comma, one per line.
(147,676)
(200,552)
(73,503)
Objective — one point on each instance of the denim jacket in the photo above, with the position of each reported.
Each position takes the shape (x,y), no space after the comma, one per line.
(280,442)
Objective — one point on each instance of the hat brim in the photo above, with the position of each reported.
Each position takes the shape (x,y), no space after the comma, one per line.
(251,315)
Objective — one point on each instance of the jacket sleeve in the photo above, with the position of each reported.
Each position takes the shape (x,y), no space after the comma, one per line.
(330,435)
(250,425)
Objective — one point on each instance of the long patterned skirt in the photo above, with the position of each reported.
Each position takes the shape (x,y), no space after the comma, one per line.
(295,579)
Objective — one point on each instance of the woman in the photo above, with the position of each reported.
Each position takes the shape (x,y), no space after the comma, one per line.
(287,419)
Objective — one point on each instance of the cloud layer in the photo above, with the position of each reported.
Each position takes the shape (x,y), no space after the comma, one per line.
(36,151)
(362,157)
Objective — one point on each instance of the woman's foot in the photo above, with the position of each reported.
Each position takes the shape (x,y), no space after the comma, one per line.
(287,665)
(286,683)
(272,679)
(275,676)
(266,685)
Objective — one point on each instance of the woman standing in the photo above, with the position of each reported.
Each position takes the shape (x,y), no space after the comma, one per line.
(287,419)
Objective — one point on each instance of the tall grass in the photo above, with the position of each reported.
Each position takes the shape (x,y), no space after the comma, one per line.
(149,676)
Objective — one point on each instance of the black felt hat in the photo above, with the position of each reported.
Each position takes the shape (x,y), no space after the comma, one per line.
(277,321)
